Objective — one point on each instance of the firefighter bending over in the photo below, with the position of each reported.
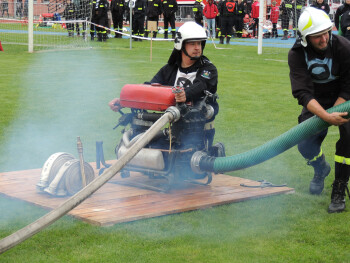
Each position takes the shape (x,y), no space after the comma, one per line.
(319,65)
(189,69)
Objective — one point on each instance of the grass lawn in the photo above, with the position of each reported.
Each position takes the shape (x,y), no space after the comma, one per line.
(48,99)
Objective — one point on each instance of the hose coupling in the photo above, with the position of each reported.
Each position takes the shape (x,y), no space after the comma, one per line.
(175,112)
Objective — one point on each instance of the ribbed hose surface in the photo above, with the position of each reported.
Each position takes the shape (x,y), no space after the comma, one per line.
(277,145)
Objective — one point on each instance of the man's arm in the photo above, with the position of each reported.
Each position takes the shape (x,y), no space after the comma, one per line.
(335,118)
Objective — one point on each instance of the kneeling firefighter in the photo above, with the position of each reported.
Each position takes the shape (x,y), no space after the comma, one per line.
(190,80)
(190,70)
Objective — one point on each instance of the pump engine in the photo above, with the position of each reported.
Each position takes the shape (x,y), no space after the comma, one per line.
(168,155)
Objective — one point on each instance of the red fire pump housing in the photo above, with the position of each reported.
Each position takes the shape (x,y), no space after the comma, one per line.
(147,97)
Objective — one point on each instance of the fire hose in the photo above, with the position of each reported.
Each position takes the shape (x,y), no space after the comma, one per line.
(172,114)
(201,162)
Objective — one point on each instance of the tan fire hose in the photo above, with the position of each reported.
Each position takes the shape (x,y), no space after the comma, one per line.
(172,114)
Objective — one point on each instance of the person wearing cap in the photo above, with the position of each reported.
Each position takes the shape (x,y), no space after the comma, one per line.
(319,64)
(189,69)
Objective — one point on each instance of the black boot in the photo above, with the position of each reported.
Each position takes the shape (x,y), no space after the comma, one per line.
(285,36)
(92,37)
(173,33)
(99,37)
(166,34)
(228,40)
(342,172)
(221,40)
(321,171)
(154,34)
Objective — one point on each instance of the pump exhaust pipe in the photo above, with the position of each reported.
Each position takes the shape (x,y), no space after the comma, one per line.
(171,114)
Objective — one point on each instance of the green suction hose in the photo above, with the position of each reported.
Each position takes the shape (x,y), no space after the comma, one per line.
(271,148)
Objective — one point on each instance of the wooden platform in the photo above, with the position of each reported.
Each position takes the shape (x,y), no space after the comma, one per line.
(114,203)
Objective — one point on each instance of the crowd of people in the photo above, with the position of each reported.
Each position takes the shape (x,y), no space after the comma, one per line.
(223,19)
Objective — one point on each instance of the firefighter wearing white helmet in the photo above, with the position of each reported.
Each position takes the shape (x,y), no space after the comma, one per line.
(313,21)
(319,64)
(190,70)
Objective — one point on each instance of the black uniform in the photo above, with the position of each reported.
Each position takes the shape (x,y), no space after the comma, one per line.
(286,9)
(218,19)
(70,13)
(324,6)
(342,20)
(84,14)
(198,12)
(205,78)
(239,15)
(298,5)
(117,9)
(169,9)
(227,19)
(99,17)
(138,23)
(323,77)
(153,11)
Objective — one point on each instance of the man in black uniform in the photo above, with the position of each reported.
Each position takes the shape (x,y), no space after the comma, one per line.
(198,12)
(227,19)
(138,23)
(118,9)
(84,14)
(153,11)
(342,19)
(70,13)
(169,10)
(239,14)
(286,9)
(99,17)
(189,69)
(297,6)
(319,65)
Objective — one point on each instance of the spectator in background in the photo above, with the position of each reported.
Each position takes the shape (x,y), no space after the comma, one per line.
(70,13)
(218,19)
(321,4)
(342,19)
(275,12)
(239,15)
(169,9)
(227,19)
(286,9)
(4,8)
(138,19)
(153,11)
(210,12)
(118,8)
(100,18)
(255,16)
(248,5)
(198,12)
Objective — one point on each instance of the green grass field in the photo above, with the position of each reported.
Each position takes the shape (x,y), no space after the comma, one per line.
(48,99)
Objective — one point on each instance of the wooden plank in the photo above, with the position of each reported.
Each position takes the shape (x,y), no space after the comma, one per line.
(114,203)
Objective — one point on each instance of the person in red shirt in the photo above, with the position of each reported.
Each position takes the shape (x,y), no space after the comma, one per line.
(275,13)
(210,12)
(255,16)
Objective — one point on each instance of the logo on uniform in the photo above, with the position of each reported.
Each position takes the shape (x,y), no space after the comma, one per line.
(206,74)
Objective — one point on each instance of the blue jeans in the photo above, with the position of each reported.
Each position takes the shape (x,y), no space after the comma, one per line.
(211,27)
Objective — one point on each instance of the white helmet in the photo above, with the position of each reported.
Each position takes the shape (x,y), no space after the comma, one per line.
(313,21)
(189,31)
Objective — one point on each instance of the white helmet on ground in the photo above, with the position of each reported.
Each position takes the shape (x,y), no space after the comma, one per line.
(313,22)
(189,31)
